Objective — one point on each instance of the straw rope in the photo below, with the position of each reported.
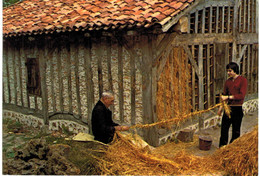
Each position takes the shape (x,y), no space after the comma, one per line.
(177,120)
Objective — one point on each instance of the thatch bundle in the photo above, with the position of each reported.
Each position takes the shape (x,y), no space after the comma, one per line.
(125,158)
(240,157)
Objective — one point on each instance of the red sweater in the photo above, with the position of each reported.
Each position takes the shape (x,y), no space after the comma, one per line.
(237,88)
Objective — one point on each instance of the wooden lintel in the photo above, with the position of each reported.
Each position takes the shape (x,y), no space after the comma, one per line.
(247,38)
(199,39)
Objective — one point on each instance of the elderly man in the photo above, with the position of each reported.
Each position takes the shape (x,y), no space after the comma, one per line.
(103,127)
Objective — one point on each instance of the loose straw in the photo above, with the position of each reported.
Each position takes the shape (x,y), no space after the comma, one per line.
(224,104)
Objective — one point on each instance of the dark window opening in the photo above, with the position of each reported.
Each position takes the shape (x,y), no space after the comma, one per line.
(33,77)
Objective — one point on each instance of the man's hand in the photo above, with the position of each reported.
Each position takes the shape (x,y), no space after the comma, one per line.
(122,128)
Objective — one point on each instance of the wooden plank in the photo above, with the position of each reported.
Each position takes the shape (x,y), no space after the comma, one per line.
(244,17)
(5,65)
(89,75)
(223,20)
(193,79)
(239,19)
(208,75)
(36,54)
(42,63)
(210,19)
(68,68)
(60,76)
(109,69)
(229,22)
(207,38)
(214,74)
(252,68)
(23,56)
(133,87)
(120,82)
(248,16)
(201,83)
(203,21)
(196,21)
(253,16)
(50,56)
(248,65)
(108,46)
(217,19)
(13,57)
(20,72)
(236,17)
(99,66)
(150,134)
(76,59)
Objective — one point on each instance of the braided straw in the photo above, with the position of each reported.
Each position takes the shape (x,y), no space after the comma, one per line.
(175,120)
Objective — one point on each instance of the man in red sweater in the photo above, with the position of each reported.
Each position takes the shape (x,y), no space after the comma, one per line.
(234,93)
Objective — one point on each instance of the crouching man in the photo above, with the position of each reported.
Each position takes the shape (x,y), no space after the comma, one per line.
(103,127)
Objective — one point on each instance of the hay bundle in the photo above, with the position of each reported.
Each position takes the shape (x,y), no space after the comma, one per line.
(125,158)
(240,157)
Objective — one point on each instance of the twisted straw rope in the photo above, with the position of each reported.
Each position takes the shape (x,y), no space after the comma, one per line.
(224,104)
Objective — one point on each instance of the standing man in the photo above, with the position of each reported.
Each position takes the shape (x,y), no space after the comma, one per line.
(234,93)
(103,127)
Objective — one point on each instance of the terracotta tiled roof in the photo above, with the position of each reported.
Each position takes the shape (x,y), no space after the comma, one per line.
(47,16)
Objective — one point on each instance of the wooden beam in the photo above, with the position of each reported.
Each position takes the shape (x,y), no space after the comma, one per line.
(42,63)
(133,87)
(120,80)
(13,58)
(5,54)
(60,77)
(210,38)
(99,65)
(150,134)
(88,76)
(52,77)
(23,56)
(201,85)
(75,51)
(163,46)
(241,53)
(192,61)
(210,19)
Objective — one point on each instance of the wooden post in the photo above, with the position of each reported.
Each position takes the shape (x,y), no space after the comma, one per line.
(201,87)
(150,134)
(89,75)
(42,64)
(76,59)
(120,81)
(60,77)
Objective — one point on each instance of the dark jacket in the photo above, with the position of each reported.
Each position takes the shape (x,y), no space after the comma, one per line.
(102,123)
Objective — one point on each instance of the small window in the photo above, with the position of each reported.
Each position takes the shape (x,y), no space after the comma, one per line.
(33,77)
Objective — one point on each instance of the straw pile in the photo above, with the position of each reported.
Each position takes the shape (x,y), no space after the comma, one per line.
(240,157)
(125,158)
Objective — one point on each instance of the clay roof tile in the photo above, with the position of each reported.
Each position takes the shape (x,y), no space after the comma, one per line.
(49,15)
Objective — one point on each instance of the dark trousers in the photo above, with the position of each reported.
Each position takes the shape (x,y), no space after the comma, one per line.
(235,120)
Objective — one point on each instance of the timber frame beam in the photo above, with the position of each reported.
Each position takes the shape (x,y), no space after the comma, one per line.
(200,39)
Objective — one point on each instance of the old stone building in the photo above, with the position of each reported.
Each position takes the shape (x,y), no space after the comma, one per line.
(161,58)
